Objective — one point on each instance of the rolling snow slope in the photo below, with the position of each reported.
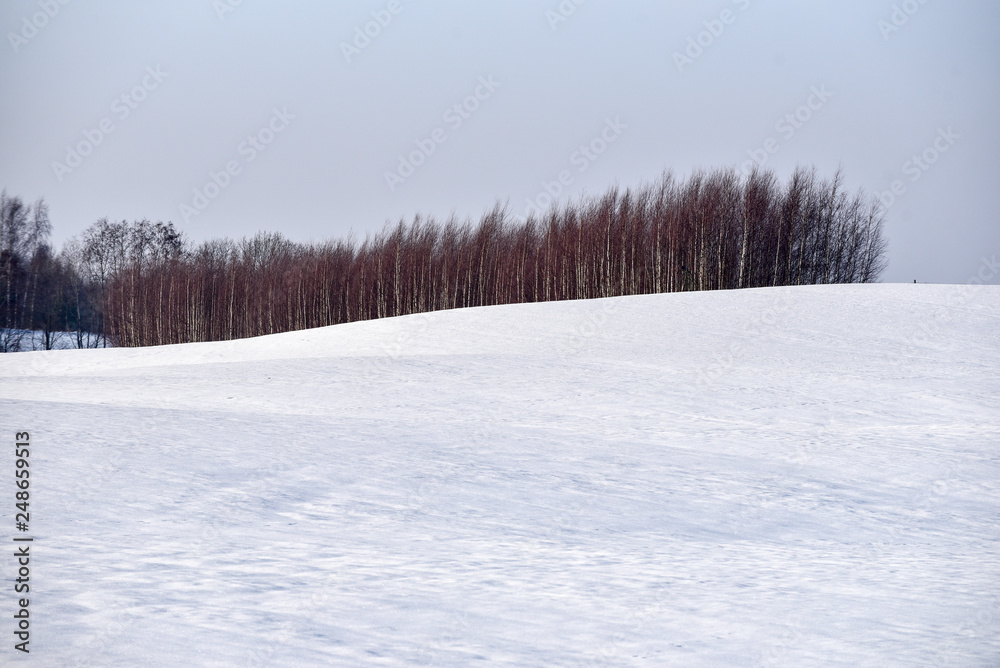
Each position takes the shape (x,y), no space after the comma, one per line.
(777,477)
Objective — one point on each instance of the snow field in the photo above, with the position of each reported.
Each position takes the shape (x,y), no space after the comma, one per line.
(778,477)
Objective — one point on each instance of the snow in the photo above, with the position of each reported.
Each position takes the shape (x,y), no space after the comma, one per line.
(777,477)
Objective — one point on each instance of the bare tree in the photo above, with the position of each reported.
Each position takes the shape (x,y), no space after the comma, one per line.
(716,230)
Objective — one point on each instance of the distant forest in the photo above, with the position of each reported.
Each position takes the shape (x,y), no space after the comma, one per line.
(143,284)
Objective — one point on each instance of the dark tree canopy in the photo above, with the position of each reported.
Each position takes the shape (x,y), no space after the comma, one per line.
(713,231)
(141,283)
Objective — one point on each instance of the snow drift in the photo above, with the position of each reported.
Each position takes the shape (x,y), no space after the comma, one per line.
(786,476)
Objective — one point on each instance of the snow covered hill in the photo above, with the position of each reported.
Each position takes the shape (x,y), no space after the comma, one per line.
(799,476)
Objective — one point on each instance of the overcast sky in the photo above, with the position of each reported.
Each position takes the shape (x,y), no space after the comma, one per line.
(321,118)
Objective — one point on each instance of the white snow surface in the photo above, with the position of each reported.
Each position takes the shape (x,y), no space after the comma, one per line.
(803,476)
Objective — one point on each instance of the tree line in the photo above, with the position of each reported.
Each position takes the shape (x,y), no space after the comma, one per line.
(713,230)
(42,295)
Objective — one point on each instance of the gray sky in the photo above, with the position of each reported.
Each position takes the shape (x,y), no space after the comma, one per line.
(309,117)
